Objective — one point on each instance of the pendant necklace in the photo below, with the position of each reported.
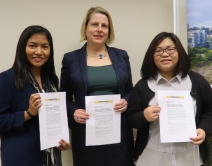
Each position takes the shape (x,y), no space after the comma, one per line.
(100,56)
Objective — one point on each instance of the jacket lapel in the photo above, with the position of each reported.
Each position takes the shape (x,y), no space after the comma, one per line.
(83,65)
(28,90)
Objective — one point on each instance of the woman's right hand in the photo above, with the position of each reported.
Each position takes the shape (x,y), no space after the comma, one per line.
(80,116)
(34,104)
(151,113)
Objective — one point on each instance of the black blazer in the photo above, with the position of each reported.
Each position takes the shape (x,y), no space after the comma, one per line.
(74,80)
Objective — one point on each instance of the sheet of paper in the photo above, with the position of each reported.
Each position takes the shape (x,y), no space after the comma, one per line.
(177,120)
(104,123)
(53,119)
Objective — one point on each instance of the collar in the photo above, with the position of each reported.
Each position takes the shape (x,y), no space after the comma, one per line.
(160,77)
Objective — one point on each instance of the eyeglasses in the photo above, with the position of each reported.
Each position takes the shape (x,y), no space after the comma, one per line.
(170,50)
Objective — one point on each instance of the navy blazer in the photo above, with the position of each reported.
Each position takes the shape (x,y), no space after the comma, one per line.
(74,80)
(20,141)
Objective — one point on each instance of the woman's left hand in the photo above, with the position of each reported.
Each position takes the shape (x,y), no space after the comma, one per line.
(63,145)
(200,137)
(121,106)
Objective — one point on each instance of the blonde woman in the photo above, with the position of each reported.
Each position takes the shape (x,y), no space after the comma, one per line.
(97,69)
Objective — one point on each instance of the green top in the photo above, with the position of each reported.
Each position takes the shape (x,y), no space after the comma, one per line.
(101,80)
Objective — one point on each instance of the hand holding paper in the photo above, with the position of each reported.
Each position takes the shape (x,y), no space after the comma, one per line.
(121,106)
(63,145)
(34,103)
(200,137)
(80,116)
(151,113)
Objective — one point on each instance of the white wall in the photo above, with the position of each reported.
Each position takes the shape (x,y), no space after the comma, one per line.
(136,22)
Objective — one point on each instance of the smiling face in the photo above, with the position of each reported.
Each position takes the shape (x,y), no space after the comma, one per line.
(166,63)
(97,29)
(37,51)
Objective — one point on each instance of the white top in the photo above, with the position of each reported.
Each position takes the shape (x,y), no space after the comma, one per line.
(170,154)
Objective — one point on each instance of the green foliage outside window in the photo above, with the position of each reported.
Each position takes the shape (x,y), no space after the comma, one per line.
(201,62)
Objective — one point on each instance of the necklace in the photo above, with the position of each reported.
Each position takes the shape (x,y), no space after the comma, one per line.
(100,56)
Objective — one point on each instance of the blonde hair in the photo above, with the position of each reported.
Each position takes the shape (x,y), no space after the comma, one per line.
(100,10)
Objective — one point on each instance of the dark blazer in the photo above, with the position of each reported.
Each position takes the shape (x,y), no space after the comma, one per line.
(74,80)
(20,141)
(141,96)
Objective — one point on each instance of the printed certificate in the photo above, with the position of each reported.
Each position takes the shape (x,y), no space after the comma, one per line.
(177,120)
(53,119)
(104,123)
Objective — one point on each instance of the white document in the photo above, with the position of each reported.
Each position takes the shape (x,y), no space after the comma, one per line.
(104,123)
(53,119)
(177,120)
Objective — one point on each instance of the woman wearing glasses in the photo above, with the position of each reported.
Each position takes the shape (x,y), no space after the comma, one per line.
(166,66)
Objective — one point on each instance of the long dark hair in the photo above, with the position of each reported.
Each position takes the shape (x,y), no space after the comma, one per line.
(149,69)
(21,64)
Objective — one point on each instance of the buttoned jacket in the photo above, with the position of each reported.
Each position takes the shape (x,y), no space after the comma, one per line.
(74,80)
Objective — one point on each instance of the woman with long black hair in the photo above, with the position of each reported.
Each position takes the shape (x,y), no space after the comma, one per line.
(33,72)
